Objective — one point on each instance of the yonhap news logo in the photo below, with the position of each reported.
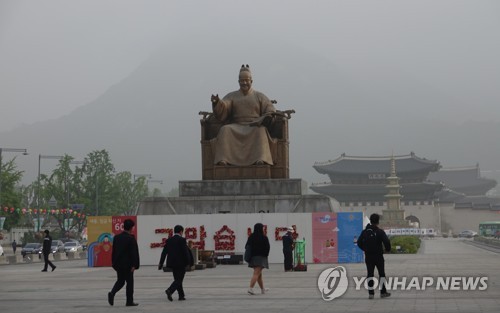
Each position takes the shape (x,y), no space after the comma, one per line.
(333,283)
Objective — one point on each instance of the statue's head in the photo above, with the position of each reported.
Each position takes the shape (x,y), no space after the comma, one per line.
(245,78)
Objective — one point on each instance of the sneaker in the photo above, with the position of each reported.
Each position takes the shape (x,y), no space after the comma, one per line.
(371,296)
(385,295)
(265,290)
(250,291)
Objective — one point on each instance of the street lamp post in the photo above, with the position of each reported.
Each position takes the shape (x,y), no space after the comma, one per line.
(23,151)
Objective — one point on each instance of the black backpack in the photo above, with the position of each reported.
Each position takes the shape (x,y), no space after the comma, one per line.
(370,241)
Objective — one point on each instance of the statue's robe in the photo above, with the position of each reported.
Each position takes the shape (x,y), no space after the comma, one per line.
(243,141)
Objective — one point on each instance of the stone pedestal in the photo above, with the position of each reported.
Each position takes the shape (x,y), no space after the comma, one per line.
(393,218)
(238,196)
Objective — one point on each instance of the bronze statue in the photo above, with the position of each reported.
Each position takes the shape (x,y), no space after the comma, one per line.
(243,140)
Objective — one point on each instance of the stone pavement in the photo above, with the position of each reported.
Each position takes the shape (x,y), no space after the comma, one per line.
(75,288)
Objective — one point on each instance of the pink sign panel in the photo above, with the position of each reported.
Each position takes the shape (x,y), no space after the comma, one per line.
(324,237)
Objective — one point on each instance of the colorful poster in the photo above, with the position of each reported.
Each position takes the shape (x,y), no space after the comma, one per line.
(324,237)
(102,230)
(350,225)
(100,234)
(117,224)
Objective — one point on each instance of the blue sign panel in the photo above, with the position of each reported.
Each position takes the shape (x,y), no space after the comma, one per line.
(350,225)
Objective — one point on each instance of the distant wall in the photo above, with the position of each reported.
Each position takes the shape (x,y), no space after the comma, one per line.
(442,217)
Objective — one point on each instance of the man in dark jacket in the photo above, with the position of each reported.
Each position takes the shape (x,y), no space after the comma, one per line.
(370,241)
(46,249)
(288,247)
(178,257)
(125,260)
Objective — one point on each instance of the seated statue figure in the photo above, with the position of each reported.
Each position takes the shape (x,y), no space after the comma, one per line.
(243,140)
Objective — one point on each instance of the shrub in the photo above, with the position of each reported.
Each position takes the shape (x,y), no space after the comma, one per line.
(408,244)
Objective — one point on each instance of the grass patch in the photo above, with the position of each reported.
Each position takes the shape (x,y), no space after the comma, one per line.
(407,244)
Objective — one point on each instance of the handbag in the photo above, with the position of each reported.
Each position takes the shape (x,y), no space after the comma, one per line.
(248,253)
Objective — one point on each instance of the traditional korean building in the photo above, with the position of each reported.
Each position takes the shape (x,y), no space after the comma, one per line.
(364,179)
(465,180)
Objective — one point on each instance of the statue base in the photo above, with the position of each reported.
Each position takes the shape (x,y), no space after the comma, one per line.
(393,219)
(238,196)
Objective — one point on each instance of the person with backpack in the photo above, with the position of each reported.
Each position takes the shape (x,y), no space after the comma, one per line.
(370,241)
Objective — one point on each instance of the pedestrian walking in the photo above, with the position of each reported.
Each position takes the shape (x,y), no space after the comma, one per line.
(259,248)
(125,260)
(14,246)
(178,256)
(46,249)
(370,241)
(288,246)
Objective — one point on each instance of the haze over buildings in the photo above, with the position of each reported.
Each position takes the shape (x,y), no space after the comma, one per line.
(366,78)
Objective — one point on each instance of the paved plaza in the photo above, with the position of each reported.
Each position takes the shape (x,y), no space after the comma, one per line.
(73,287)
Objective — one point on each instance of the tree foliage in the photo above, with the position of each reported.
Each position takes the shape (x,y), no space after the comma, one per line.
(9,195)
(93,184)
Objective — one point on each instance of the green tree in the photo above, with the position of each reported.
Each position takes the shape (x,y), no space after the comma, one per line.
(10,195)
(97,182)
(156,193)
(28,196)
(11,177)
(128,193)
(61,182)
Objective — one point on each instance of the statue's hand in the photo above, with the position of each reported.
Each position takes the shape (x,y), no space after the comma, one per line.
(215,99)
(268,120)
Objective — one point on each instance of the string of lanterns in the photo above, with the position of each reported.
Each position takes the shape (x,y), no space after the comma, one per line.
(25,211)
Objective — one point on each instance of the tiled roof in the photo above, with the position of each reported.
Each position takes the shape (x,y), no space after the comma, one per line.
(466,180)
(371,165)
(478,203)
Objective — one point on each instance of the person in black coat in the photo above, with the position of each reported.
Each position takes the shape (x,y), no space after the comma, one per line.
(259,247)
(178,256)
(370,241)
(125,260)
(288,247)
(46,249)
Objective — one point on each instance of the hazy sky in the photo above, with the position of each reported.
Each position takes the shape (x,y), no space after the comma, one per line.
(58,55)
